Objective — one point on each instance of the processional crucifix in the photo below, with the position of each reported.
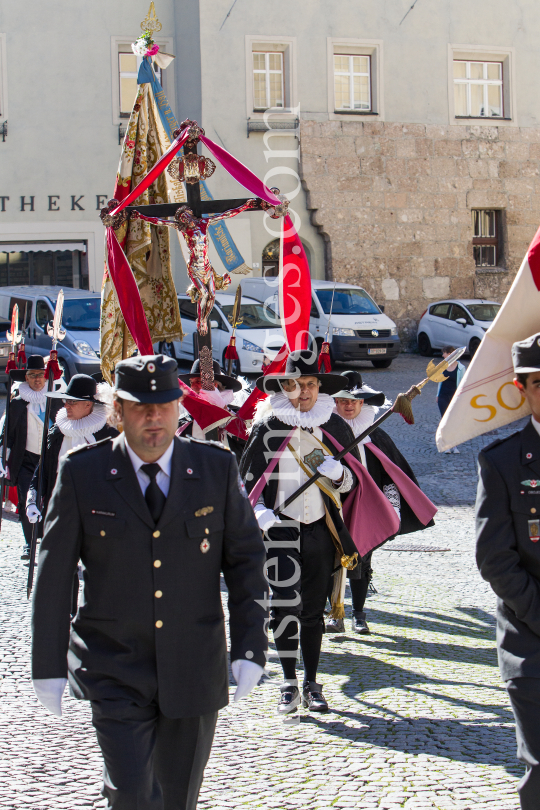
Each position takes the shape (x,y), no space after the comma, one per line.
(192,220)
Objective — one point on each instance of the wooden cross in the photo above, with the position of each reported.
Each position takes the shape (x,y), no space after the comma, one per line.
(199,207)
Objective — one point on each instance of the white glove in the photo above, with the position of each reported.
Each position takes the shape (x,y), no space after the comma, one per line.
(331,469)
(265,517)
(247,675)
(4,471)
(32,513)
(49,692)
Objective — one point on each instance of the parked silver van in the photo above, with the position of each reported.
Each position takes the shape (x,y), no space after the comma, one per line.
(78,353)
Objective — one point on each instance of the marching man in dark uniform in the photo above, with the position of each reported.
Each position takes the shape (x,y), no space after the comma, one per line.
(508,556)
(154,520)
(25,432)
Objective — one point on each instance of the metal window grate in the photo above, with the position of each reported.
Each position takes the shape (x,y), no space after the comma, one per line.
(486,237)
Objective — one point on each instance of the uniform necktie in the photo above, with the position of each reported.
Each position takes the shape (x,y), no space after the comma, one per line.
(153,496)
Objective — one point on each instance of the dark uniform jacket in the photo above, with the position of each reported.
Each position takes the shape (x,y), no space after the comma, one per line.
(137,573)
(266,438)
(55,437)
(508,548)
(17,430)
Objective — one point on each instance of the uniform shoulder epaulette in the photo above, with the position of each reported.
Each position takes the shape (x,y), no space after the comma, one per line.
(206,443)
(497,442)
(84,447)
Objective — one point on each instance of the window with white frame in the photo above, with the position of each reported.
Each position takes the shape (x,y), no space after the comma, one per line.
(352,82)
(478,89)
(268,80)
(128,69)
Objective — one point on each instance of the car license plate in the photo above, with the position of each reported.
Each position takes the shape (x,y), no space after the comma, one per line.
(376,351)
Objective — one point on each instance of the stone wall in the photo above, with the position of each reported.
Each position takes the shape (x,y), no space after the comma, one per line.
(394,201)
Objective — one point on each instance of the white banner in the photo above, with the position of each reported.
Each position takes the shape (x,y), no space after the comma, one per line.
(487,398)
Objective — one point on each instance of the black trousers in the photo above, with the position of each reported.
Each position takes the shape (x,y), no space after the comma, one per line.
(524,694)
(151,762)
(299,560)
(28,466)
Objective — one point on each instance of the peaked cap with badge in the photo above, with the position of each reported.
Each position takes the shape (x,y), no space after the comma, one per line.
(147,378)
(526,355)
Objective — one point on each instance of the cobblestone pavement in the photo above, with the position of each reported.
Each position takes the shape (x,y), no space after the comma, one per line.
(419,717)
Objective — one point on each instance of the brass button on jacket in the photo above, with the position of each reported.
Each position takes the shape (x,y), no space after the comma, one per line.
(158,594)
(156,534)
(157,563)
(102,533)
(159,623)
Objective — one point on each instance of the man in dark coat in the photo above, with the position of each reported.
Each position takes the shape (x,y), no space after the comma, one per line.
(82,421)
(359,406)
(294,438)
(154,519)
(25,433)
(508,556)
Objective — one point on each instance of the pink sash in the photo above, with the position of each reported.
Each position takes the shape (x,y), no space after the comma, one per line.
(261,483)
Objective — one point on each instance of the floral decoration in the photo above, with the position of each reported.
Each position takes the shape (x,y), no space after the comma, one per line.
(145,45)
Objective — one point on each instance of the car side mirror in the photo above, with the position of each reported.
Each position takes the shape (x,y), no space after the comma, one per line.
(214,325)
(381,307)
(462,321)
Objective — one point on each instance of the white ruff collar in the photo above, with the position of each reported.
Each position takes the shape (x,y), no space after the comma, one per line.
(285,411)
(365,419)
(84,428)
(36,399)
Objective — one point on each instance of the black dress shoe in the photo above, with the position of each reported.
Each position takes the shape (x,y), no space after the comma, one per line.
(334,626)
(313,698)
(359,624)
(26,554)
(290,699)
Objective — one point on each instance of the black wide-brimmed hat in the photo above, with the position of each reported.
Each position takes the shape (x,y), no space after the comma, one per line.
(147,378)
(36,362)
(301,364)
(81,388)
(228,382)
(357,390)
(526,355)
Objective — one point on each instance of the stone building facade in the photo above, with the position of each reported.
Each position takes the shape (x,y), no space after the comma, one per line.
(394,201)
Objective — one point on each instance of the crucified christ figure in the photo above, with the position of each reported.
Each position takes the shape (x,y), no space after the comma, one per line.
(205,280)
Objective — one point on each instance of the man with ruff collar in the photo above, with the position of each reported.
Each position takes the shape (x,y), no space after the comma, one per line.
(25,432)
(358,405)
(292,437)
(82,421)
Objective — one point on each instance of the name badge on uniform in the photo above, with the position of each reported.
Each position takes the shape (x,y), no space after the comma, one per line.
(534,530)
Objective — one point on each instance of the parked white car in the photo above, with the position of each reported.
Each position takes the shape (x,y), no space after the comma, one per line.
(359,329)
(459,322)
(256,336)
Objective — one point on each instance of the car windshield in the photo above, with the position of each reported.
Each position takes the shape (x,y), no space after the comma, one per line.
(484,312)
(81,314)
(347,302)
(253,316)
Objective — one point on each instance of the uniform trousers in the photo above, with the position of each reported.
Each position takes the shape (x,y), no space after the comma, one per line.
(28,466)
(151,762)
(299,560)
(524,696)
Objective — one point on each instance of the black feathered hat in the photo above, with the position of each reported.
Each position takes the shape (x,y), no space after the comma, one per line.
(301,364)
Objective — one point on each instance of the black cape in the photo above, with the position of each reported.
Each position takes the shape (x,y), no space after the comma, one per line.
(17,433)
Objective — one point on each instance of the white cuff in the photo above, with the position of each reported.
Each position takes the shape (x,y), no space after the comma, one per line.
(49,692)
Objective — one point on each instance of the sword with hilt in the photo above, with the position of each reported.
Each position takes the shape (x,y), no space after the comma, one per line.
(14,337)
(55,331)
(235,320)
(402,405)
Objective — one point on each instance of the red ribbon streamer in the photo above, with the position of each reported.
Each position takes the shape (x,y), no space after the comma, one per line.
(533,256)
(122,276)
